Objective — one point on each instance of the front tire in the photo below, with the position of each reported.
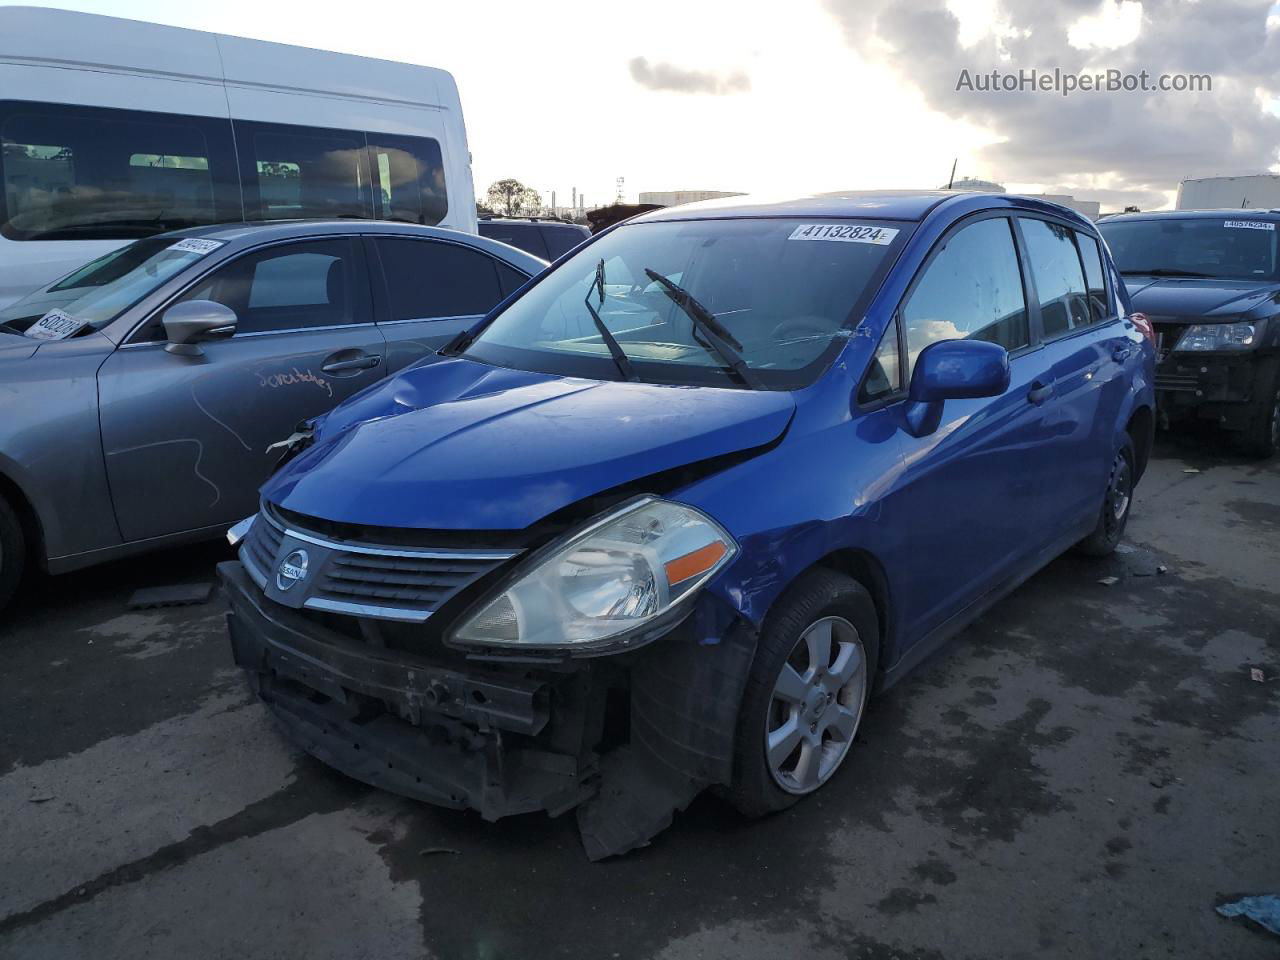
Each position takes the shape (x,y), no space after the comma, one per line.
(1116,504)
(1262,438)
(809,685)
(13,553)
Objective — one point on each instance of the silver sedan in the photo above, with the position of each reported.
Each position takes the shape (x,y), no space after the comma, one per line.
(142,393)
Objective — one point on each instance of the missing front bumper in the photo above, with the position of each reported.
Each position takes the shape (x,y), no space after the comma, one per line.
(510,739)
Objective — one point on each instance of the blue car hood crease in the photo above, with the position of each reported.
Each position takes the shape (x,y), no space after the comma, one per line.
(1196,297)
(459,445)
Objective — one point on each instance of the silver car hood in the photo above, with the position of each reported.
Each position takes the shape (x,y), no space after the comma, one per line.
(14,346)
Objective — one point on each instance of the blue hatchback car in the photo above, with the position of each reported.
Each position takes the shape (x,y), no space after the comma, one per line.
(668,516)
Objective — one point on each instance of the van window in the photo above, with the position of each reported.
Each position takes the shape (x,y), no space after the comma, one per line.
(83,173)
(1091,254)
(410,178)
(971,289)
(1055,265)
(292,172)
(427,279)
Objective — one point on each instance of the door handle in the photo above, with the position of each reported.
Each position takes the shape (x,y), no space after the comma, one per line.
(358,363)
(1120,354)
(1039,392)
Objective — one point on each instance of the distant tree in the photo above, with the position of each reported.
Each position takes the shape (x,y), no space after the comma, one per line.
(1132,210)
(511,198)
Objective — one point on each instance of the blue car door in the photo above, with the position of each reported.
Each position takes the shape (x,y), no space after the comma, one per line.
(426,291)
(971,502)
(1088,351)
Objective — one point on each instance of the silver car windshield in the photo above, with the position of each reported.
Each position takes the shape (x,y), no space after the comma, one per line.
(101,290)
(760,303)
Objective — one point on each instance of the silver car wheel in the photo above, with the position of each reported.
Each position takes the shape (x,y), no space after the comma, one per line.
(816,706)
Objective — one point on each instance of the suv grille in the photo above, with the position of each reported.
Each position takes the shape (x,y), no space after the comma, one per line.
(361,579)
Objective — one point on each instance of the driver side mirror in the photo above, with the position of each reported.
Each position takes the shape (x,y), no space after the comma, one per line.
(185,324)
(953,370)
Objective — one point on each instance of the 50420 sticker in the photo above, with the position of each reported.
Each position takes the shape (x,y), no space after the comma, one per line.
(844,232)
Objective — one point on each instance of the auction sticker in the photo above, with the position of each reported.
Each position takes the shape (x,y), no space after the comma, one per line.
(844,232)
(55,325)
(196,245)
(1250,224)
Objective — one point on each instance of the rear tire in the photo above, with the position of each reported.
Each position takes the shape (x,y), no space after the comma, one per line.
(13,553)
(1117,503)
(1262,437)
(818,705)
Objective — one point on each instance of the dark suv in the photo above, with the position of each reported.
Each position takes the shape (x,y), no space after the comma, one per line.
(548,239)
(1209,280)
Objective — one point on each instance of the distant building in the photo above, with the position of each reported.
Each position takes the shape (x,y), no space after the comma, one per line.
(1218,193)
(672,198)
(970,185)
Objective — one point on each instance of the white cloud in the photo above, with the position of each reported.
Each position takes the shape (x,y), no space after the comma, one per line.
(1115,24)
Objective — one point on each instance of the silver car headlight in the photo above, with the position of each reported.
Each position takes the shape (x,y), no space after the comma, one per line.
(617,574)
(1219,336)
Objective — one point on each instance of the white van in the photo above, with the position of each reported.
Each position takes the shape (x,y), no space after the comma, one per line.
(116,129)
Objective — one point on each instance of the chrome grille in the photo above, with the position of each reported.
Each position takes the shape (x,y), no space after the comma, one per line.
(391,583)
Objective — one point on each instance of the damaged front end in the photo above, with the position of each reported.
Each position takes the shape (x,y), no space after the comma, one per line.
(376,653)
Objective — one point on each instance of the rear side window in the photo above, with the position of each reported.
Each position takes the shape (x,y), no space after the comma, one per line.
(83,173)
(1055,265)
(290,286)
(291,172)
(509,278)
(425,279)
(971,289)
(560,240)
(409,173)
(523,236)
(1094,273)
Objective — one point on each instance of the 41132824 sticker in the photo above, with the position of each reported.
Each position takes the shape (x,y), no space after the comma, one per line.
(844,233)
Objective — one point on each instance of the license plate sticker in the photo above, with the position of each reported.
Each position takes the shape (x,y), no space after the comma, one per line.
(196,245)
(55,325)
(844,233)
(1249,225)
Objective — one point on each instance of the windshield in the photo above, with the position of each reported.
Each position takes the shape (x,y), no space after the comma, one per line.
(101,290)
(1216,247)
(763,303)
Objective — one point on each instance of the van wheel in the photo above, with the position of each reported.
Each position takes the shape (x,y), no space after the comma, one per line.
(812,675)
(1116,504)
(1262,438)
(12,552)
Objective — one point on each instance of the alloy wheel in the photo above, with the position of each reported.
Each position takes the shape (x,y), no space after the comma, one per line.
(816,705)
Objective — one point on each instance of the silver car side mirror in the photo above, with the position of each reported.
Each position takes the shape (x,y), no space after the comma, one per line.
(185,324)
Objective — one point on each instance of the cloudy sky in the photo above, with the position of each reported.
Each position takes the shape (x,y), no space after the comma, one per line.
(808,95)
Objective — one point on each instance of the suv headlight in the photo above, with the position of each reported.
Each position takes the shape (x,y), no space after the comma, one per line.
(615,575)
(1219,336)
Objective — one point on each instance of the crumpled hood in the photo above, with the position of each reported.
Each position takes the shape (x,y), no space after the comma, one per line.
(14,346)
(459,445)
(1192,297)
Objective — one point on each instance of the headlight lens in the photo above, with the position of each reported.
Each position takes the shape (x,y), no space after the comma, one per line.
(1218,336)
(614,576)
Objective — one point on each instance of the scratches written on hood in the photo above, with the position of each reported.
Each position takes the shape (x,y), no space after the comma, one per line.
(195,468)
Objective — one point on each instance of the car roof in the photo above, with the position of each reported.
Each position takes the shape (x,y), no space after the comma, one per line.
(266,231)
(538,221)
(1232,213)
(909,205)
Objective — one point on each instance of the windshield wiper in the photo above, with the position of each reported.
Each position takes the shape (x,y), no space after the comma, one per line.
(1161,272)
(718,338)
(615,349)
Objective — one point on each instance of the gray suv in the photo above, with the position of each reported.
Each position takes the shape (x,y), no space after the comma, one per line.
(142,394)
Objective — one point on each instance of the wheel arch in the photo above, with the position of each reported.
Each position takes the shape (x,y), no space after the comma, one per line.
(28,518)
(863,567)
(1142,429)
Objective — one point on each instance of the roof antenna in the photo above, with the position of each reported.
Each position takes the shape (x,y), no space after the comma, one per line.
(953,172)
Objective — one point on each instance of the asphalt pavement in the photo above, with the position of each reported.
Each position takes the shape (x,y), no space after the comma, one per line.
(1086,772)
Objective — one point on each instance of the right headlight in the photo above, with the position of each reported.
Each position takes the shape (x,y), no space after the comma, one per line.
(1219,336)
(616,575)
